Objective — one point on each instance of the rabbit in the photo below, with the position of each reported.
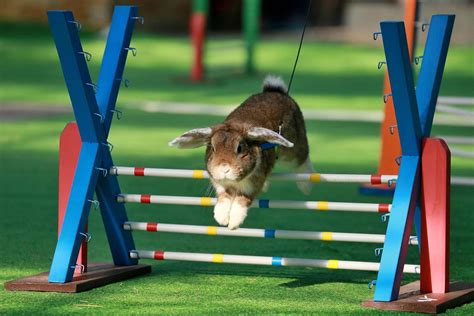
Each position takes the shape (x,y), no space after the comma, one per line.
(238,157)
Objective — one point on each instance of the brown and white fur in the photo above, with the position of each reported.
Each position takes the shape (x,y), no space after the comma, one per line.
(237,165)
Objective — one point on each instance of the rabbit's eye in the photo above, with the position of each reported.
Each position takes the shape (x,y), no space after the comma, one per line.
(239,149)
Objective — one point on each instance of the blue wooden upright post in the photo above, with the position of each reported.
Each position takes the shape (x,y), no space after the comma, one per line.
(415,112)
(93,115)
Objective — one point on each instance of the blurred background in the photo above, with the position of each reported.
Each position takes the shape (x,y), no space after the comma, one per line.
(195,61)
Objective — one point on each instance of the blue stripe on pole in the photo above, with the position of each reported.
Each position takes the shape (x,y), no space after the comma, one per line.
(263,203)
(269,233)
(276,261)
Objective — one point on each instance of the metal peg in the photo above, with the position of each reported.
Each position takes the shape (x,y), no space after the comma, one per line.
(118,113)
(94,86)
(392,129)
(380,64)
(391,182)
(132,49)
(376,35)
(372,284)
(87,55)
(417,59)
(378,251)
(111,147)
(134,254)
(385,217)
(424,26)
(83,267)
(126,82)
(95,203)
(398,160)
(385,97)
(139,19)
(78,25)
(412,239)
(100,116)
(87,236)
(104,171)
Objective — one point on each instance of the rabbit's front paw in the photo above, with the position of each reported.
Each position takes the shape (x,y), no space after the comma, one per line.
(222,211)
(238,213)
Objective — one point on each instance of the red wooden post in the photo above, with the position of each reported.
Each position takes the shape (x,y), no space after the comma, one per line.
(435,200)
(69,149)
(198,32)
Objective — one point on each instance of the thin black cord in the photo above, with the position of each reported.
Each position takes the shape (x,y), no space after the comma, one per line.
(299,48)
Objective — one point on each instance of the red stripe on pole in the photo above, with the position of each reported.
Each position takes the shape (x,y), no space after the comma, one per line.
(145,198)
(384,208)
(151,227)
(159,255)
(375,179)
(139,171)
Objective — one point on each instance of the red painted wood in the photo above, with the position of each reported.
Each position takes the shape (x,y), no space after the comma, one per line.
(69,148)
(435,210)
(375,179)
(383,208)
(145,198)
(198,33)
(159,255)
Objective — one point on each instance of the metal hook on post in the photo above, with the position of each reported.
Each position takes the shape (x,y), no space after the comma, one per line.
(104,171)
(132,49)
(398,160)
(100,116)
(380,64)
(94,86)
(78,25)
(424,26)
(392,129)
(111,147)
(385,97)
(79,266)
(126,82)
(118,113)
(372,284)
(385,217)
(412,240)
(417,59)
(95,203)
(87,236)
(87,55)
(378,251)
(139,19)
(391,182)
(376,35)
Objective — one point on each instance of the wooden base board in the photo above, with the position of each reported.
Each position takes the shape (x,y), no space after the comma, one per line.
(412,300)
(98,274)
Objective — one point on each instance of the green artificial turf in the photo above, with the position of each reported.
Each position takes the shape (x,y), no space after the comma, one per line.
(329,76)
(28,198)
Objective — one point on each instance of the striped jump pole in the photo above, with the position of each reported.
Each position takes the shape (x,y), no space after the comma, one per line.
(267,261)
(258,233)
(207,201)
(203,174)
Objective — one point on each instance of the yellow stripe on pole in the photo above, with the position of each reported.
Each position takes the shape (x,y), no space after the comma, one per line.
(315,177)
(322,206)
(198,174)
(217,258)
(326,236)
(206,201)
(211,230)
(333,264)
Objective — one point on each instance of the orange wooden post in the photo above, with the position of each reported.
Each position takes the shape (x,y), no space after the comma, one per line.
(435,210)
(390,144)
(69,148)
(197,31)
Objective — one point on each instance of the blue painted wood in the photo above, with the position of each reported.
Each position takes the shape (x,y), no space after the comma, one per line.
(75,74)
(398,231)
(114,59)
(401,82)
(114,215)
(77,212)
(432,67)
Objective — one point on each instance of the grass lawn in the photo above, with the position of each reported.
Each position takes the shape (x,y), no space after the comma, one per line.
(328,77)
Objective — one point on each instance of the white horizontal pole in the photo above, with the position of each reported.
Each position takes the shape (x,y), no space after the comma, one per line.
(258,233)
(207,201)
(260,260)
(203,174)
(456,100)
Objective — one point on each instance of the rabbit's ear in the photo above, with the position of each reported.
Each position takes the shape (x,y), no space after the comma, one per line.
(266,135)
(192,139)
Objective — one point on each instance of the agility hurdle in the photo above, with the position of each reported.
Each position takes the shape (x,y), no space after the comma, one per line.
(95,171)
(258,233)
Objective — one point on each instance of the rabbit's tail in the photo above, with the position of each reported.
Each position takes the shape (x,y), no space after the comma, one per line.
(274,84)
